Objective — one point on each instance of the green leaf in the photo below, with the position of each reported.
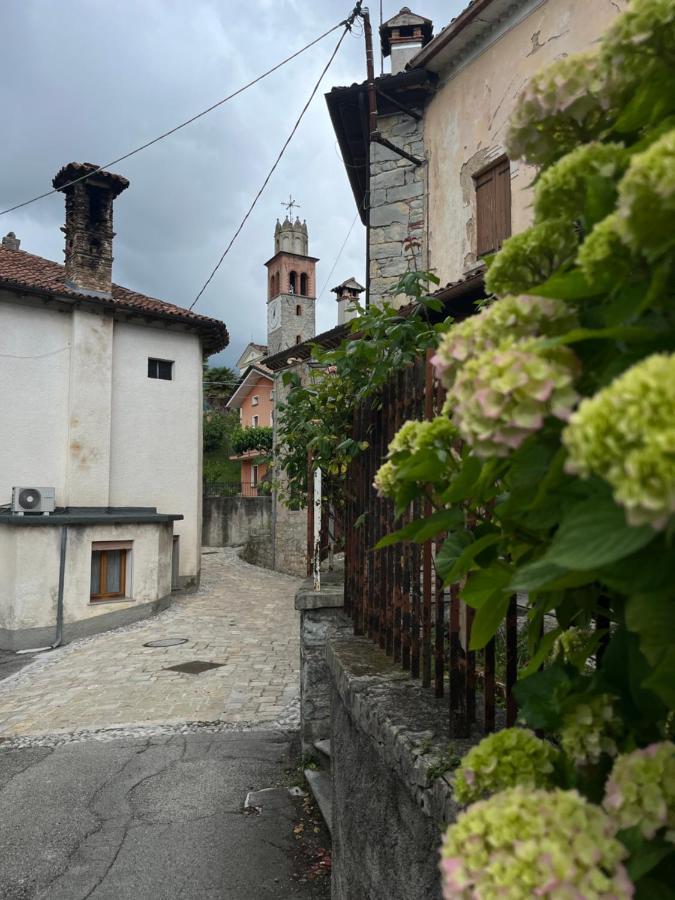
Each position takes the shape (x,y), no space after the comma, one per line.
(594,534)
(463,482)
(652,618)
(482,585)
(541,655)
(469,554)
(540,696)
(567,286)
(440,521)
(422,529)
(627,333)
(452,549)
(645,854)
(488,619)
(535,575)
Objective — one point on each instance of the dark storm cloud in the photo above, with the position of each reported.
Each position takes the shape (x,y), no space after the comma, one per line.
(87,80)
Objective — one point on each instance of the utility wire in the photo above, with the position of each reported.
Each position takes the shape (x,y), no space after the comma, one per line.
(347,27)
(177,127)
(337,258)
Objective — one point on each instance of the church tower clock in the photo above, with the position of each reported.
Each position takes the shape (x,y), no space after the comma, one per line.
(291,286)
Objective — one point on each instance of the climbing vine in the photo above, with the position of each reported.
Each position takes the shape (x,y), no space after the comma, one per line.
(317,416)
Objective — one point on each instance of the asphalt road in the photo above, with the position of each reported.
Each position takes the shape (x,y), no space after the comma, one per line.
(160,819)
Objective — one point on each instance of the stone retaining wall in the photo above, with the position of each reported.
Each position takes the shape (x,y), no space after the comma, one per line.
(240,522)
(389,745)
(320,620)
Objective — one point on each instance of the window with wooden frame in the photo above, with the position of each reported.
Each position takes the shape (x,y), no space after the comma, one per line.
(109,570)
(493,207)
(255,400)
(255,421)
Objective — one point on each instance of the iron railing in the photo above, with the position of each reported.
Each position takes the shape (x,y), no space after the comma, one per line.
(394,595)
(236,489)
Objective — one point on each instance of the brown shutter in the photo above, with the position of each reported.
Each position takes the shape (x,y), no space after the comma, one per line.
(493,207)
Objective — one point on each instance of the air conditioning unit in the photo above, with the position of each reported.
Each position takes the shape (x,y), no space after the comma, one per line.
(39,500)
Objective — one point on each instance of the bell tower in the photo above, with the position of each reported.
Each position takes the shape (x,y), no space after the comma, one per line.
(291,286)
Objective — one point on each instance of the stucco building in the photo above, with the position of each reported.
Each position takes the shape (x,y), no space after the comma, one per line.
(101,400)
(433,183)
(254,398)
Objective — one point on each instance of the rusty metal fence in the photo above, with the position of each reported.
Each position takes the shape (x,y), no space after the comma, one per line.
(394,595)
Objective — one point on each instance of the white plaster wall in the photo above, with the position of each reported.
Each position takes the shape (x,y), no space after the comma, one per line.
(29,572)
(466,122)
(88,452)
(156,457)
(34,365)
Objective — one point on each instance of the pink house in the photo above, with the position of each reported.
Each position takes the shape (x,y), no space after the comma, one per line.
(254,398)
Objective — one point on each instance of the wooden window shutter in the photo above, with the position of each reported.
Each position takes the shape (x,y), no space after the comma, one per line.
(493,207)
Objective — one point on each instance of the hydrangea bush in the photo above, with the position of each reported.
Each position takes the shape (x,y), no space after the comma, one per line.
(551,472)
(514,756)
(560,397)
(524,843)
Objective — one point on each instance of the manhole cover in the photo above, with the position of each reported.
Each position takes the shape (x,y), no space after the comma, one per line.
(194,667)
(166,642)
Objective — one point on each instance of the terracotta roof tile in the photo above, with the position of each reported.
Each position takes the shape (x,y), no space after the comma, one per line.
(25,272)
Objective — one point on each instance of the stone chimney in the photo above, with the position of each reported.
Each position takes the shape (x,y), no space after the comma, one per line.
(11,241)
(89,226)
(403,36)
(347,294)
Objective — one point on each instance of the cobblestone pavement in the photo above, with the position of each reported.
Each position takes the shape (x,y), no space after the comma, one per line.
(242,618)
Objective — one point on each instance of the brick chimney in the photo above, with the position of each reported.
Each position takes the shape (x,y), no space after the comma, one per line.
(89,226)
(403,36)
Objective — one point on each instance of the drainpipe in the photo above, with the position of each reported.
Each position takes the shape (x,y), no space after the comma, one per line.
(58,637)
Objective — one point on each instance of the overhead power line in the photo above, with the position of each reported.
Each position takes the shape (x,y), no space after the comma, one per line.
(337,258)
(176,128)
(347,27)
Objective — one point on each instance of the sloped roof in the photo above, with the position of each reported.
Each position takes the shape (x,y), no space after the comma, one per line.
(24,272)
(248,380)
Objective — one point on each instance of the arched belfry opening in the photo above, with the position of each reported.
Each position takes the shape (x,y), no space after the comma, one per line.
(303,284)
(293,282)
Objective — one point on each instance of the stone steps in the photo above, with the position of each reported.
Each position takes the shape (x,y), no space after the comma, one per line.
(321,785)
(323,751)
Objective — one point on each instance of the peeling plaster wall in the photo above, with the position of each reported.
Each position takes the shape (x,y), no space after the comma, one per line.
(466,121)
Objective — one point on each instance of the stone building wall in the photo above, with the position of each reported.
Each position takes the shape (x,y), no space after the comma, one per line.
(398,202)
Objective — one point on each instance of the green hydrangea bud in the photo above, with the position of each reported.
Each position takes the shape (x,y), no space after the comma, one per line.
(562,190)
(604,257)
(533,843)
(514,756)
(590,729)
(435,436)
(572,646)
(508,318)
(647,199)
(626,435)
(640,791)
(564,105)
(529,258)
(502,396)
(639,42)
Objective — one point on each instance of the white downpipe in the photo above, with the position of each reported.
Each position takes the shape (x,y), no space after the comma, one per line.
(316,562)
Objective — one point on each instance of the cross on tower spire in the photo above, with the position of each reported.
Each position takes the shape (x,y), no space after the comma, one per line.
(289,204)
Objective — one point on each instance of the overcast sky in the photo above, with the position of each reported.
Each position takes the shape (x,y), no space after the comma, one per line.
(88,80)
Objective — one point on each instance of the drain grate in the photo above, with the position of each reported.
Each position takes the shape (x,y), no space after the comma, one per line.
(166,642)
(194,667)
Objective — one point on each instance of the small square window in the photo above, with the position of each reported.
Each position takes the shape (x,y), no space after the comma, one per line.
(109,570)
(160,368)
